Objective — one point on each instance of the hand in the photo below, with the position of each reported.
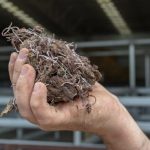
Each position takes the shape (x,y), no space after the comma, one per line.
(108,117)
(31,99)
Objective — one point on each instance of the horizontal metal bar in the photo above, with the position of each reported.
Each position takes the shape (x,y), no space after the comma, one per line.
(49,143)
(142,41)
(143,90)
(111,43)
(5,99)
(108,43)
(136,101)
(4,49)
(21,123)
(110,53)
(145,126)
(102,43)
(16,123)
(127,90)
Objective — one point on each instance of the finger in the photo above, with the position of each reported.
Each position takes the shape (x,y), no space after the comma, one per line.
(18,65)
(24,89)
(11,64)
(48,118)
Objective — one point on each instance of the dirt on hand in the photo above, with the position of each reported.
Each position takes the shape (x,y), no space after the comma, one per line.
(66,74)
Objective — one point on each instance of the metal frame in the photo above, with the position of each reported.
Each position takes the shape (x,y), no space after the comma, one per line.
(49,143)
(131,53)
(128,95)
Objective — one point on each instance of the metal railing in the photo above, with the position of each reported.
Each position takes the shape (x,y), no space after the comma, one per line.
(127,95)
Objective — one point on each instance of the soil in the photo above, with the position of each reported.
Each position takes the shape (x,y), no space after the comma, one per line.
(66,74)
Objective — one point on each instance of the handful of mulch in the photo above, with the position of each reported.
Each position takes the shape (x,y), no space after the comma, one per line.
(67,75)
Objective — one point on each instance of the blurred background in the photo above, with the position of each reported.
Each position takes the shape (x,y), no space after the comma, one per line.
(114,34)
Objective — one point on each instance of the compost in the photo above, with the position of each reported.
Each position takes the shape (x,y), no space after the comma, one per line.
(66,74)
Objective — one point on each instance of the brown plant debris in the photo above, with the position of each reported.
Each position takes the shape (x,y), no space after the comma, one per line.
(66,74)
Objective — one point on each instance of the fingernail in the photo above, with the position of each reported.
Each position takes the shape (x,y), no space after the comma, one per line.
(24,70)
(36,87)
(22,55)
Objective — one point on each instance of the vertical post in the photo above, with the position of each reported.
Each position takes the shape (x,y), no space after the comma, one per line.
(147,70)
(132,67)
(77,138)
(56,135)
(19,133)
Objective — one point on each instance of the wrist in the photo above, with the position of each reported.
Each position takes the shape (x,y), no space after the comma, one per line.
(105,111)
(110,120)
(124,133)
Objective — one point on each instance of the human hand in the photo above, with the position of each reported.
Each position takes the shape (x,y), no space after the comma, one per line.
(31,99)
(108,118)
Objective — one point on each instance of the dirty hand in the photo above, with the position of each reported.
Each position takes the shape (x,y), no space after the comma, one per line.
(108,118)
(31,99)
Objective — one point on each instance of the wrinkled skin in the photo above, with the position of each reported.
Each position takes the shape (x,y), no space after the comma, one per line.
(108,118)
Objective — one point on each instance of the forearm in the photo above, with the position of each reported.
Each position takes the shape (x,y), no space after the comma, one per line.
(124,134)
(114,124)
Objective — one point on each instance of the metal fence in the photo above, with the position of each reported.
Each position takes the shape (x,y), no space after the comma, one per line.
(131,96)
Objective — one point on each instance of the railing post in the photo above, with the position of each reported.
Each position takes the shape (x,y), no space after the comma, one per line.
(147,70)
(77,138)
(19,133)
(132,67)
